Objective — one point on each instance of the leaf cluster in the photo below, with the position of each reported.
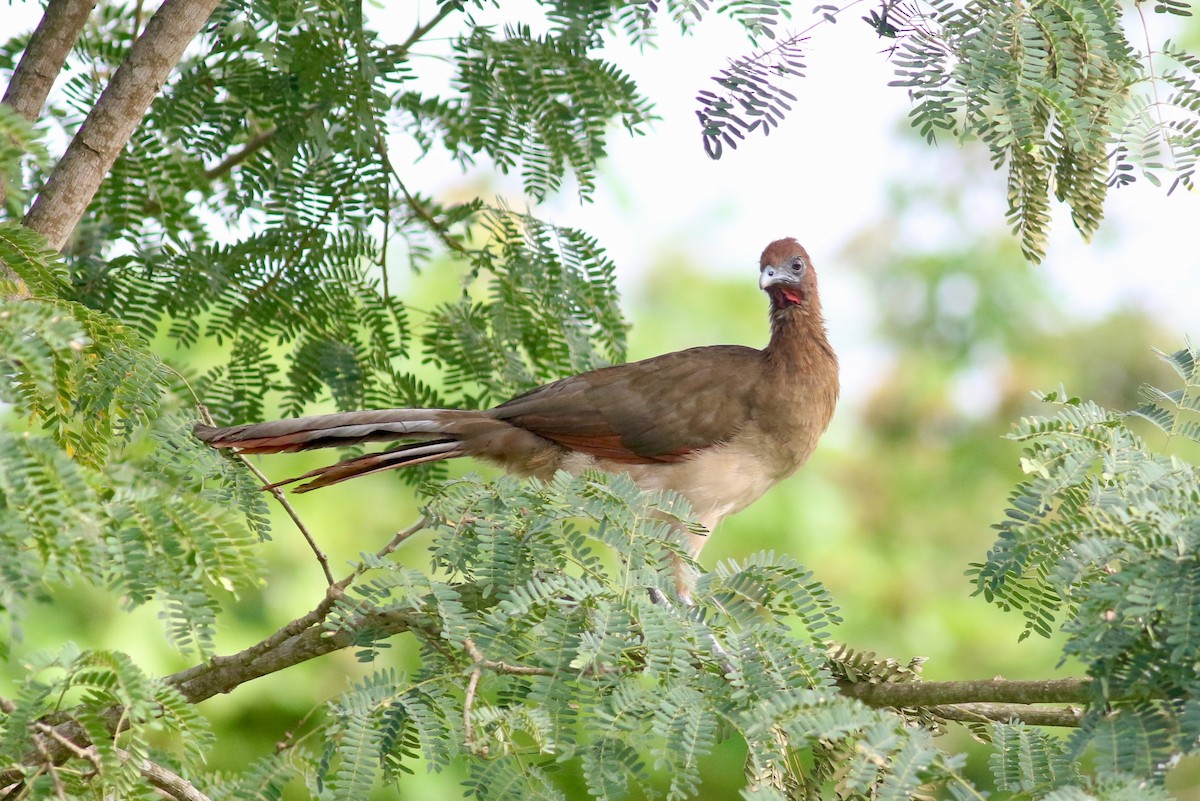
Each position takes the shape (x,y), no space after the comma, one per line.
(101,480)
(1054,89)
(1040,84)
(105,692)
(558,641)
(258,206)
(1102,536)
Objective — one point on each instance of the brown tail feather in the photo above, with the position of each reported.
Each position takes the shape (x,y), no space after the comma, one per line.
(439,434)
(332,430)
(403,456)
(437,430)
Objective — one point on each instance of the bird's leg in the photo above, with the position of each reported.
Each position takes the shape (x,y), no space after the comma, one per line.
(685,580)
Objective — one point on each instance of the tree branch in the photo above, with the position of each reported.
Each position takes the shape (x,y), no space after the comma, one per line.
(298,641)
(301,639)
(935,693)
(113,119)
(1065,716)
(35,74)
(58,742)
(172,784)
(256,142)
(418,33)
(468,705)
(45,55)
(980,701)
(252,146)
(223,674)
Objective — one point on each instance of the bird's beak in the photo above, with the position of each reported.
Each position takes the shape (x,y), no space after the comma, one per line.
(772,275)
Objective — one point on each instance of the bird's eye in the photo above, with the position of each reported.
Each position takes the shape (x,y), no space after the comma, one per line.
(798,265)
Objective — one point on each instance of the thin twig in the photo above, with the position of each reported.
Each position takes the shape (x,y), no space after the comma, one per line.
(478,659)
(468,705)
(1162,124)
(1067,717)
(172,784)
(48,761)
(137,19)
(253,145)
(417,206)
(387,550)
(283,501)
(502,667)
(281,496)
(418,33)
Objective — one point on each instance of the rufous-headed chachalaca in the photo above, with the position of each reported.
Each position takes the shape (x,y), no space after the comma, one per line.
(720,425)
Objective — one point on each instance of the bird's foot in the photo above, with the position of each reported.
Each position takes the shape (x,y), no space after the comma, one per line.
(659,598)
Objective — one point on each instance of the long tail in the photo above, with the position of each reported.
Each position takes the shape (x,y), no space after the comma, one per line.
(436,427)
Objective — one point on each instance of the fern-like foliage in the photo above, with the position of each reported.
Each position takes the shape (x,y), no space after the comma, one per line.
(1025,759)
(1102,537)
(1158,131)
(1054,89)
(550,310)
(107,693)
(20,142)
(103,481)
(749,97)
(541,102)
(1041,84)
(549,647)
(258,204)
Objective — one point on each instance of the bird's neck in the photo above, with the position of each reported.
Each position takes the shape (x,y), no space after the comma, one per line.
(798,334)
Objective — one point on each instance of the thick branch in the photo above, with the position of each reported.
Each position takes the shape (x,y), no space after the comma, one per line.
(935,693)
(224,674)
(45,55)
(35,73)
(116,115)
(980,701)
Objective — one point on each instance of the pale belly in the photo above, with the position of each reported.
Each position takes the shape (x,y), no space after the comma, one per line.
(717,482)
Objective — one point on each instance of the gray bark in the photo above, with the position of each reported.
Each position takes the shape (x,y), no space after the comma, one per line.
(116,115)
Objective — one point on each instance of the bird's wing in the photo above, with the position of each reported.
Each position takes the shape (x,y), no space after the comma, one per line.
(657,410)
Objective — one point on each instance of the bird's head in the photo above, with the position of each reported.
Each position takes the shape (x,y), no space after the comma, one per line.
(786,275)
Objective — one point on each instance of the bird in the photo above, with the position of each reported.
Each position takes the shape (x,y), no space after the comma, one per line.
(719,424)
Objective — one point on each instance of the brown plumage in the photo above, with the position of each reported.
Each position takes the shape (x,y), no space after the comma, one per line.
(720,424)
